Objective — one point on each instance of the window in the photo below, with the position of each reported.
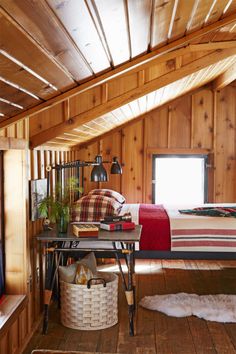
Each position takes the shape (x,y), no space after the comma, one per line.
(179,179)
(2,287)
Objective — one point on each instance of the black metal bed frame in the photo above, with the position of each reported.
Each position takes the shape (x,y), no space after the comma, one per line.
(185,255)
(174,255)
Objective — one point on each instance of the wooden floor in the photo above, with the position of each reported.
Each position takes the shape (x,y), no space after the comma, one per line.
(156,332)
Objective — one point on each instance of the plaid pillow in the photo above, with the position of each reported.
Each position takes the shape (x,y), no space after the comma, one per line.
(95,208)
(108,193)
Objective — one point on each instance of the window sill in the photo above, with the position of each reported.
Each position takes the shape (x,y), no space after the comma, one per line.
(10,308)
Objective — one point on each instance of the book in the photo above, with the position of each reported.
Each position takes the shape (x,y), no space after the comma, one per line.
(126,217)
(117,226)
(85,230)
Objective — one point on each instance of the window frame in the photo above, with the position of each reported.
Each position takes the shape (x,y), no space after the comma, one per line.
(179,155)
(2,242)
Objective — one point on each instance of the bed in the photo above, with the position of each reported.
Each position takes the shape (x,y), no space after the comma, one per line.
(167,233)
(166,229)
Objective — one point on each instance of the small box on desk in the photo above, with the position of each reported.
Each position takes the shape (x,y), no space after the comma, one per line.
(85,230)
(117,226)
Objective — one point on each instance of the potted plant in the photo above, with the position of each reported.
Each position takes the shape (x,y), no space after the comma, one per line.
(56,208)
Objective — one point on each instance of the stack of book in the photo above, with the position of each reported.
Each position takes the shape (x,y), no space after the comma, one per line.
(85,230)
(117,223)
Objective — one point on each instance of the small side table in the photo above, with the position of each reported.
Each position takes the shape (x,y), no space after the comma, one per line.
(54,245)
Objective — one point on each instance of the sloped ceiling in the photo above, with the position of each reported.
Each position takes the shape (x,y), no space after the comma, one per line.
(135,54)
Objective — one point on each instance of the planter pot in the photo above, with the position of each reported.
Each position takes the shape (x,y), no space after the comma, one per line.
(62,225)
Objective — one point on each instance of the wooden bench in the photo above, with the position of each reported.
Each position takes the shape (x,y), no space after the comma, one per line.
(47,351)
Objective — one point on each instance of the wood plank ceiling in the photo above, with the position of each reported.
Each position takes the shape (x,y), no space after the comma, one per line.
(52,49)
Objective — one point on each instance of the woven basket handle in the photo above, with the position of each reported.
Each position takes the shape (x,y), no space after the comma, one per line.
(93,279)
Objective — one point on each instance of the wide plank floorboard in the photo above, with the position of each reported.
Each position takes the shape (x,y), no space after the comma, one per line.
(155,333)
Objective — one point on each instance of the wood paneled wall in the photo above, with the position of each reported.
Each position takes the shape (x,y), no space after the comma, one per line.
(204,121)
(23,266)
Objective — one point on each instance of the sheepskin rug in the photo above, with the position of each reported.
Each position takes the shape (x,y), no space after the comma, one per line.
(220,308)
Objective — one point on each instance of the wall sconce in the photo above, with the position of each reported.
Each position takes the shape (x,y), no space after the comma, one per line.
(99,173)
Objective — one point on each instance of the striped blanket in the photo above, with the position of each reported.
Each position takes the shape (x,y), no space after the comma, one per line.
(192,232)
(212,211)
(202,233)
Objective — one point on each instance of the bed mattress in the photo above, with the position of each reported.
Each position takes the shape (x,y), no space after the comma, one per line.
(188,232)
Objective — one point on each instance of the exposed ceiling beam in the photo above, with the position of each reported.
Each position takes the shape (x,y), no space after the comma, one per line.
(226,78)
(212,46)
(131,95)
(35,43)
(134,65)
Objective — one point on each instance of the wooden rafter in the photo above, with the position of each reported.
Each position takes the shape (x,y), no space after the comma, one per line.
(35,43)
(212,46)
(226,78)
(131,95)
(135,65)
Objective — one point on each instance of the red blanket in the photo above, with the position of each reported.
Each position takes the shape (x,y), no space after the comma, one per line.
(156,228)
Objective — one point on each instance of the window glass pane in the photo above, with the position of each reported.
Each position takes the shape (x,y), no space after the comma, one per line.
(179,180)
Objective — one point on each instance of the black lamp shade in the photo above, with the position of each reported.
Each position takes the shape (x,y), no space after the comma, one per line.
(116,167)
(99,174)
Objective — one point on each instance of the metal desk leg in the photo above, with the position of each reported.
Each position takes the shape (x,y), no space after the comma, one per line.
(133,273)
(130,288)
(49,282)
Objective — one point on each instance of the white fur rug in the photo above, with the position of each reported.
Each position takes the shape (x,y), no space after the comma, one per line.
(220,308)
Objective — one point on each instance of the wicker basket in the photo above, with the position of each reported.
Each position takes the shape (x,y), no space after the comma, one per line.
(90,308)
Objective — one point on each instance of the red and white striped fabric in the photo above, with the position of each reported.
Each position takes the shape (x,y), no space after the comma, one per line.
(94,208)
(193,233)
(202,233)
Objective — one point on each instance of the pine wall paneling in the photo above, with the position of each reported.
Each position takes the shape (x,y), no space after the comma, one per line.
(132,160)
(225,153)
(201,122)
(16,229)
(202,119)
(15,221)
(24,267)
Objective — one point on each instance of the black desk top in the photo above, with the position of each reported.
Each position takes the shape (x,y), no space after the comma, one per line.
(103,235)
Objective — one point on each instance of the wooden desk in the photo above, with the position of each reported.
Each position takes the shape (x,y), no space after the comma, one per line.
(54,245)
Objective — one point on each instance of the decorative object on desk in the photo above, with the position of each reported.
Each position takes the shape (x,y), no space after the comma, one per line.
(85,230)
(57,207)
(38,191)
(46,225)
(117,226)
(126,217)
